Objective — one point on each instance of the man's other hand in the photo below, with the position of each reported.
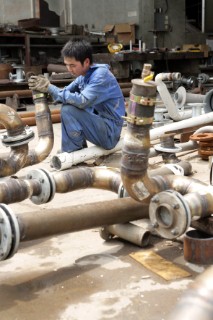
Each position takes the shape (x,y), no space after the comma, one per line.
(38,83)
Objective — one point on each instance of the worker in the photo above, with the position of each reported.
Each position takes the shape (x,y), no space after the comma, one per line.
(92,104)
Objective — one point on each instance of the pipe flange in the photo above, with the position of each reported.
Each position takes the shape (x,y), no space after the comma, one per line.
(202,136)
(175,149)
(14,141)
(169,214)
(208,102)
(47,185)
(9,233)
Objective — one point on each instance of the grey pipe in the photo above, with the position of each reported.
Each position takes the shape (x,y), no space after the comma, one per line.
(129,232)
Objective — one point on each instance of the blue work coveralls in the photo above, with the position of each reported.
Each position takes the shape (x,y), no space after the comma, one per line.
(92,109)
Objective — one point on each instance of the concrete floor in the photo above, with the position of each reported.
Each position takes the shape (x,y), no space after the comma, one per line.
(80,276)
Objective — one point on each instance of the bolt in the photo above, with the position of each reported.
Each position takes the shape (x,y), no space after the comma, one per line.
(1,220)
(29,176)
(41,180)
(175,206)
(155,224)
(174,232)
(155,199)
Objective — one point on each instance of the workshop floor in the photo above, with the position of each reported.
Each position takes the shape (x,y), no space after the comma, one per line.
(80,276)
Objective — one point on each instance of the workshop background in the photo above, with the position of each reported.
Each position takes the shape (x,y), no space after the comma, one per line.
(78,239)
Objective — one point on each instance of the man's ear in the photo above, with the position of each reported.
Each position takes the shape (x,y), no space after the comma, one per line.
(87,62)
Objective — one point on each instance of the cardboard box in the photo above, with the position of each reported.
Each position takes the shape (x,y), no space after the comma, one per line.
(122,33)
(197,48)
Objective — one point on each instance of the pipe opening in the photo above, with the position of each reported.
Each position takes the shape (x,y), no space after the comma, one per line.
(56,163)
(164,216)
(145,239)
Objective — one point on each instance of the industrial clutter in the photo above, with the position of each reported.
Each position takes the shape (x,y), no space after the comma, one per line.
(106,160)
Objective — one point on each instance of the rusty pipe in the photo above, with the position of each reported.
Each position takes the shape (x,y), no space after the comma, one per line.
(197,302)
(136,142)
(36,225)
(15,138)
(85,177)
(45,130)
(21,93)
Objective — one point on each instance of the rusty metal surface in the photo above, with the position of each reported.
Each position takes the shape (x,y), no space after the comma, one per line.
(198,247)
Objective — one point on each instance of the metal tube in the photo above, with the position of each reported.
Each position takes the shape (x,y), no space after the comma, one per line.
(18,155)
(166,97)
(130,232)
(36,225)
(197,301)
(45,131)
(136,143)
(85,177)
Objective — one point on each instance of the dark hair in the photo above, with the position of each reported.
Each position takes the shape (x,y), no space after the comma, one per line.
(79,49)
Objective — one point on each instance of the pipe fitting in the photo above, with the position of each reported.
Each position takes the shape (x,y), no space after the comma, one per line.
(9,233)
(169,214)
(18,140)
(136,143)
(47,185)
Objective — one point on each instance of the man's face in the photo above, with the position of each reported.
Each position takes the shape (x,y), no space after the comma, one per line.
(75,67)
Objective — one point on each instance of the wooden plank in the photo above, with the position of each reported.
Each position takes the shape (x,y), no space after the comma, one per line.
(162,267)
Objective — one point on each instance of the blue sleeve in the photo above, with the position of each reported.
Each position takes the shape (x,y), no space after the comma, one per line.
(71,95)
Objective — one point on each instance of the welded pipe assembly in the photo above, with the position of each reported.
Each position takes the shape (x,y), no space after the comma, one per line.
(167,196)
(18,135)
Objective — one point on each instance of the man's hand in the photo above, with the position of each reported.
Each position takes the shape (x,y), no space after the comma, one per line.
(38,83)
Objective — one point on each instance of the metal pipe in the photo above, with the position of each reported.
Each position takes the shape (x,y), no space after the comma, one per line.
(136,143)
(85,177)
(166,97)
(21,93)
(127,231)
(45,131)
(64,160)
(185,200)
(181,97)
(17,138)
(197,302)
(36,225)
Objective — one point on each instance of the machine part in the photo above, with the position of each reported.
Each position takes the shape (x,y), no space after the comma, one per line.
(169,214)
(205,145)
(198,247)
(203,78)
(128,231)
(208,102)
(47,186)
(197,302)
(14,141)
(181,97)
(167,144)
(9,233)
